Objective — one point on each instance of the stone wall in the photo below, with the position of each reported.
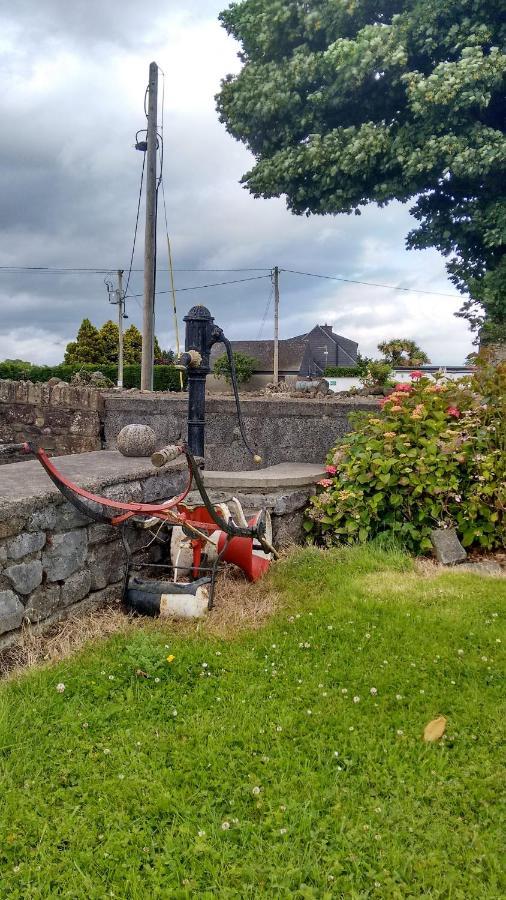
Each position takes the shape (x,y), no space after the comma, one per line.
(58,417)
(283,430)
(53,558)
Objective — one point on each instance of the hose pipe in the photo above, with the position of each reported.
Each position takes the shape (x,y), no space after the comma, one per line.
(233,377)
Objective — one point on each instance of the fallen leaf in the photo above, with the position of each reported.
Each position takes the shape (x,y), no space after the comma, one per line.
(142,674)
(435,729)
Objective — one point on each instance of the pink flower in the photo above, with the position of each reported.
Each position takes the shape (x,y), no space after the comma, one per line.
(331,470)
(453,411)
(325,482)
(396,409)
(416,375)
(404,386)
(434,388)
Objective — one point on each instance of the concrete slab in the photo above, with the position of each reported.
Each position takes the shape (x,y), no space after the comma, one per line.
(23,480)
(271,478)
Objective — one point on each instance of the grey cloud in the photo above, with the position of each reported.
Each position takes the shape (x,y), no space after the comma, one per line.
(69,179)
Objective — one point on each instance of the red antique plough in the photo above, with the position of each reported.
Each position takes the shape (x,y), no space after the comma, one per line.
(206,527)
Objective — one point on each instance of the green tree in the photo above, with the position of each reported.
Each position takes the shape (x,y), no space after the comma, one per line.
(132,345)
(244,367)
(343,104)
(87,347)
(109,334)
(403,352)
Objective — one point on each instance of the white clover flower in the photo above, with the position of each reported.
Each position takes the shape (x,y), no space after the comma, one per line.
(111,677)
(400,732)
(398,696)
(356,699)
(279,728)
(255,790)
(225,826)
(157,680)
(204,665)
(344,690)
(460,652)
(309,712)
(60,687)
(201,833)
(174,712)
(282,830)
(336,753)
(106,751)
(374,691)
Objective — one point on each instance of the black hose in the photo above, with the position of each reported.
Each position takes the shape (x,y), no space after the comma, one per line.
(233,378)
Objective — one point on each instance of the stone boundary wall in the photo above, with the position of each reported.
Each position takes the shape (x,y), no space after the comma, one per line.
(58,417)
(53,559)
(283,430)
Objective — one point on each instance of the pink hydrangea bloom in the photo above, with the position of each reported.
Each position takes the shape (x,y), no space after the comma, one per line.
(331,470)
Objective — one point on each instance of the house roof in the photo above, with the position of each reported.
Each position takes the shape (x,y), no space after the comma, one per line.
(291,352)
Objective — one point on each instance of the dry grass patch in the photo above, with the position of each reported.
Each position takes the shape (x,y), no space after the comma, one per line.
(239,606)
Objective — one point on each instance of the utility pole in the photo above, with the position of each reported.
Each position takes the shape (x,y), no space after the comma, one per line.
(120,299)
(150,234)
(275,280)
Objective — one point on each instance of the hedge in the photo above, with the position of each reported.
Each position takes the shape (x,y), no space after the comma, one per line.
(342,372)
(165,378)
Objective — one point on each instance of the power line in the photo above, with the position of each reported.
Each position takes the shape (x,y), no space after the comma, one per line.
(266,312)
(391,287)
(201,287)
(136,223)
(55,270)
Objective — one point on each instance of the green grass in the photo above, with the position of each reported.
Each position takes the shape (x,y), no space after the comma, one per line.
(106,792)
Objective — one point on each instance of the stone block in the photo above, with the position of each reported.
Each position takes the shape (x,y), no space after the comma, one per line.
(447,547)
(67,517)
(99,533)
(107,564)
(163,486)
(287,530)
(65,554)
(43,602)
(11,611)
(43,519)
(25,577)
(127,492)
(76,587)
(25,543)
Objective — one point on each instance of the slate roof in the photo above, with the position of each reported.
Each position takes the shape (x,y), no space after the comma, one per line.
(291,352)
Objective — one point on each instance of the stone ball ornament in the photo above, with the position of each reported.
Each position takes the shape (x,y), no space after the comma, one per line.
(136,440)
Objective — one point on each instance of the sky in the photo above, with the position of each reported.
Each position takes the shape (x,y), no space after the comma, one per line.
(73,78)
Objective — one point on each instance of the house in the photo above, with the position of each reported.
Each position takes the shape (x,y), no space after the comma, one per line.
(301,356)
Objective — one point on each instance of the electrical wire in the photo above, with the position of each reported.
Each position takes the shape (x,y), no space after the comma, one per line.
(136,224)
(391,287)
(266,312)
(201,287)
(56,270)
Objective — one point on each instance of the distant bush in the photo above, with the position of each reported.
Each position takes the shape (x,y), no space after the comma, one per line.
(165,378)
(342,372)
(244,367)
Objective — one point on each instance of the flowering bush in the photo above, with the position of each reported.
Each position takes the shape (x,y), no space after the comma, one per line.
(435,457)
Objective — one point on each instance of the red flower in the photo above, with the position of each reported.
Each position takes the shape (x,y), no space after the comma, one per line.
(416,375)
(453,411)
(403,386)
(331,470)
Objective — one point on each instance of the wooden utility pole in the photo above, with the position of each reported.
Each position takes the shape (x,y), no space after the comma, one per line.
(150,236)
(275,279)
(121,310)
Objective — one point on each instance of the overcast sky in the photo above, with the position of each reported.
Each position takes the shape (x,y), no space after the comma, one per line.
(73,80)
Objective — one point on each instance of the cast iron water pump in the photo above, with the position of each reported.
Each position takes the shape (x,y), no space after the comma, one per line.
(201,335)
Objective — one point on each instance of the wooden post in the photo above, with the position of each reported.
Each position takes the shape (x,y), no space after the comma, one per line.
(276,324)
(121,310)
(150,235)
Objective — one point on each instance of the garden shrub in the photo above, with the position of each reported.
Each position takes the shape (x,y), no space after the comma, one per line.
(342,372)
(435,457)
(165,377)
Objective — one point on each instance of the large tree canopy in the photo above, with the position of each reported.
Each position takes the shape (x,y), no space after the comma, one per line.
(344,102)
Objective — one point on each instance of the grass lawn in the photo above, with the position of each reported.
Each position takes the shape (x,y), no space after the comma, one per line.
(286,762)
